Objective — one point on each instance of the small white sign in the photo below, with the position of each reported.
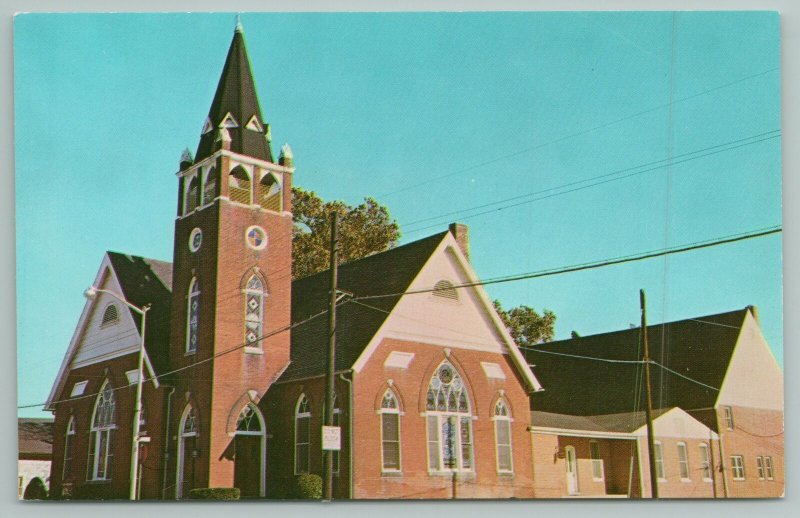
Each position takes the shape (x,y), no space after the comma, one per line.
(331,438)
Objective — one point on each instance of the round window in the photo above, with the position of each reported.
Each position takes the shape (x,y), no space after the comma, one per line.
(256,238)
(195,240)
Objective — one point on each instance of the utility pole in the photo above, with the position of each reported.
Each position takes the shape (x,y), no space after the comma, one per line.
(327,481)
(649,406)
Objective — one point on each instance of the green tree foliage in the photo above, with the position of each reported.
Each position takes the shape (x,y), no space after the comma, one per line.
(526,326)
(363,230)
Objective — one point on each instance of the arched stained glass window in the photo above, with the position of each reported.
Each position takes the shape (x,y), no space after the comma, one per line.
(190,423)
(254,312)
(390,432)
(193,316)
(103,423)
(502,435)
(449,421)
(302,435)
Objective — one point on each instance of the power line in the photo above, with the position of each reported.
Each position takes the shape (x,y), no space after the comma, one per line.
(577,134)
(602,179)
(592,265)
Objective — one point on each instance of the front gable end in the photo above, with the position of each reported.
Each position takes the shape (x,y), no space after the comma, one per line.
(678,424)
(753,378)
(105,330)
(436,311)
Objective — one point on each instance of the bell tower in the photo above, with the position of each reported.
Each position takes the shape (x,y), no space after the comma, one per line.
(231,289)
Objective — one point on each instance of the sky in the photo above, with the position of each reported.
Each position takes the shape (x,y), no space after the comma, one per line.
(614,133)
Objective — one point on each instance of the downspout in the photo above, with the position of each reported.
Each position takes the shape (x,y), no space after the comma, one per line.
(721,456)
(166,446)
(349,429)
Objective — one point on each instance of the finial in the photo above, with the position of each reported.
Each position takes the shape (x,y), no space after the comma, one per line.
(239,27)
(268,133)
(286,151)
(186,156)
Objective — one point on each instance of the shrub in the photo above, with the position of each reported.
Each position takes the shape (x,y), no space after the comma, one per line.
(36,490)
(215,493)
(96,492)
(308,486)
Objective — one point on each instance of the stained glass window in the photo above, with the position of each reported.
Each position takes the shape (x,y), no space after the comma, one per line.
(449,422)
(193,312)
(256,237)
(190,423)
(302,435)
(502,431)
(103,422)
(254,312)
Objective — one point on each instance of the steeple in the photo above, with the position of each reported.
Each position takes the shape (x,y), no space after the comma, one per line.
(235,108)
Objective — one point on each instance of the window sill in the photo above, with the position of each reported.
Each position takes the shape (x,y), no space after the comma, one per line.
(99,481)
(739,479)
(391,474)
(603,480)
(505,474)
(462,475)
(253,350)
(707,480)
(686,480)
(189,353)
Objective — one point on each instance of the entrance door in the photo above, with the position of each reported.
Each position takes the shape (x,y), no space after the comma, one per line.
(247,467)
(188,448)
(572,470)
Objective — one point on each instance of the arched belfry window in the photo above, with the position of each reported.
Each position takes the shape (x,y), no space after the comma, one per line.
(192,316)
(254,312)
(302,435)
(192,195)
(502,435)
(270,193)
(210,186)
(449,421)
(101,452)
(390,431)
(239,185)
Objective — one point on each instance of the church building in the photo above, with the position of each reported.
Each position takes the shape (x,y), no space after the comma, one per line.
(432,394)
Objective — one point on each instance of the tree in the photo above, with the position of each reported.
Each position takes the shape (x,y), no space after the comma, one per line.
(363,230)
(526,326)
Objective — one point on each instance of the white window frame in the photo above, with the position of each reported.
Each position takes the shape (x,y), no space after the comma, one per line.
(385,411)
(737,467)
(181,453)
(658,456)
(100,438)
(504,421)
(597,461)
(262,434)
(683,462)
(769,468)
(306,416)
(760,468)
(192,294)
(69,450)
(436,418)
(705,462)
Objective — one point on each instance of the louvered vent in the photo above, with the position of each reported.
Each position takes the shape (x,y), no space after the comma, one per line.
(110,315)
(445,289)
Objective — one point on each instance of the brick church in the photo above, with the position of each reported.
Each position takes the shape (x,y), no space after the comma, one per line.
(432,394)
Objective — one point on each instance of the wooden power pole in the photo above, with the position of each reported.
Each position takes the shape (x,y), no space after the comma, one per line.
(329,389)
(648,410)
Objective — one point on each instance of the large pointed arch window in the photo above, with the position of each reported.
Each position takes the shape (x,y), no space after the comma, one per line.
(390,432)
(302,435)
(239,185)
(254,312)
(502,436)
(449,421)
(270,193)
(103,423)
(192,316)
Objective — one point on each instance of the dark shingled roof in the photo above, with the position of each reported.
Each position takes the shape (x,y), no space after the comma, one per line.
(699,348)
(35,436)
(625,422)
(148,281)
(391,271)
(236,93)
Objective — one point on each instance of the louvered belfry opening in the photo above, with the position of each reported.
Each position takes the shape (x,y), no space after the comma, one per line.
(239,185)
(270,193)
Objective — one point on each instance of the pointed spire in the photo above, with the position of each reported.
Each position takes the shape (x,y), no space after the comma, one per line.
(239,27)
(236,99)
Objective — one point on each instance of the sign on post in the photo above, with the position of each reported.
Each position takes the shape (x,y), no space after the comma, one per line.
(331,438)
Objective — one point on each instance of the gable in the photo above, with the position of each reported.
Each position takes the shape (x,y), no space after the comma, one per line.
(754,378)
(676,423)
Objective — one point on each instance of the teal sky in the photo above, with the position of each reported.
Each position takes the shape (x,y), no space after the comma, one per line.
(431,114)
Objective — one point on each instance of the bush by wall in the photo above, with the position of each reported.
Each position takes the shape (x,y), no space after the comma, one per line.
(215,493)
(308,486)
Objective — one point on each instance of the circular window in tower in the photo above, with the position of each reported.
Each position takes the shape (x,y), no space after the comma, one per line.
(195,240)
(256,238)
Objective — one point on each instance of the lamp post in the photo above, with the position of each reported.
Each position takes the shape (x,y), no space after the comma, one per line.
(91,294)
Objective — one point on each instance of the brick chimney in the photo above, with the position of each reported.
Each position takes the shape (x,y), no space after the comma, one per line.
(461,233)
